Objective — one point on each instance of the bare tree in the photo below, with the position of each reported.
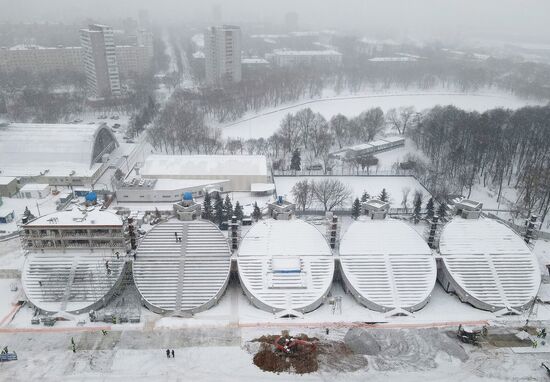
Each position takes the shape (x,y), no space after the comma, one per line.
(302,192)
(400,118)
(405,191)
(330,193)
(339,126)
(289,133)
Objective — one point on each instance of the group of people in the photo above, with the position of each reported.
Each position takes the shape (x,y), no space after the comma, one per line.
(168,353)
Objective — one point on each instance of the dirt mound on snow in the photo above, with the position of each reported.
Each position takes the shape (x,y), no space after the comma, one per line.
(305,358)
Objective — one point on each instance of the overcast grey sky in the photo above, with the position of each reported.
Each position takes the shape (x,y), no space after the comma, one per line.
(521,19)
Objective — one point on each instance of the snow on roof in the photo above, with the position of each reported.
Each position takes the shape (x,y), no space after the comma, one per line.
(176,184)
(34,187)
(204,165)
(38,47)
(262,187)
(490,264)
(76,217)
(271,245)
(31,148)
(199,54)
(72,280)
(392,59)
(280,52)
(387,265)
(248,61)
(182,276)
(5,180)
(393,139)
(198,39)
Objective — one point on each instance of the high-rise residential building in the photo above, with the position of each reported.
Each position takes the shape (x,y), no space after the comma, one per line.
(100,61)
(223,54)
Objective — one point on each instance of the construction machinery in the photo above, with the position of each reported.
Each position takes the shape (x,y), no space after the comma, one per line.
(470,335)
(291,345)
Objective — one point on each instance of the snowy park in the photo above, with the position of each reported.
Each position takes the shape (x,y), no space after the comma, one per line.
(264,123)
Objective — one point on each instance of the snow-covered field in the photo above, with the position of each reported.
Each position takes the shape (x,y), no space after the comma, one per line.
(394,185)
(266,122)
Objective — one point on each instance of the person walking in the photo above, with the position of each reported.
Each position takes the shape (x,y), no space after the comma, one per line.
(167,353)
(173,354)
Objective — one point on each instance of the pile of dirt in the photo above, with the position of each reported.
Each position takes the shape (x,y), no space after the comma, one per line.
(304,358)
(301,359)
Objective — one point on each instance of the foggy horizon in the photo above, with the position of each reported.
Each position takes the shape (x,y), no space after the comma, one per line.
(425,20)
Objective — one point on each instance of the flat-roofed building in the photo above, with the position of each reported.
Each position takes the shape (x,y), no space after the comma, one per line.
(240,170)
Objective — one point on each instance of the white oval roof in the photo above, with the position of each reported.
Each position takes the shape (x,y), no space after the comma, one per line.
(72,280)
(387,265)
(490,263)
(285,265)
(189,275)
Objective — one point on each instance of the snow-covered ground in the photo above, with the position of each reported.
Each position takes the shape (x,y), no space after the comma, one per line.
(394,185)
(265,123)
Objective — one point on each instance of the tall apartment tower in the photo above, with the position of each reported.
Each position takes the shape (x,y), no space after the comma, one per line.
(100,63)
(223,54)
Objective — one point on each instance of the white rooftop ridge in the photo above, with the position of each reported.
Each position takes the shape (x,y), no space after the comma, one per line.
(204,165)
(387,265)
(285,265)
(488,264)
(188,276)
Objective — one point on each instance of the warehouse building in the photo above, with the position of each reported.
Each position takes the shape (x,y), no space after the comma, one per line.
(55,154)
(8,186)
(240,170)
(166,190)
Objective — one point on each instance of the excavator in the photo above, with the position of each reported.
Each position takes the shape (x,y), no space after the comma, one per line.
(290,345)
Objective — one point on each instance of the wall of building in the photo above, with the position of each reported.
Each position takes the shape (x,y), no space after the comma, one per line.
(222,54)
(8,190)
(236,182)
(137,194)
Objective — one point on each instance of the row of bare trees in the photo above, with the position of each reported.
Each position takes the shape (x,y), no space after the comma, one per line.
(327,193)
(499,148)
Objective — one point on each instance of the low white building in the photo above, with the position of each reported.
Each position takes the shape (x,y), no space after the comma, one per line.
(286,58)
(165,190)
(34,191)
(240,170)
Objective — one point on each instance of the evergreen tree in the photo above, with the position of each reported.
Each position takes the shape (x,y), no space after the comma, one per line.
(207,206)
(218,209)
(365,197)
(417,207)
(430,209)
(28,214)
(356,208)
(256,213)
(227,208)
(442,210)
(296,161)
(384,196)
(238,211)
